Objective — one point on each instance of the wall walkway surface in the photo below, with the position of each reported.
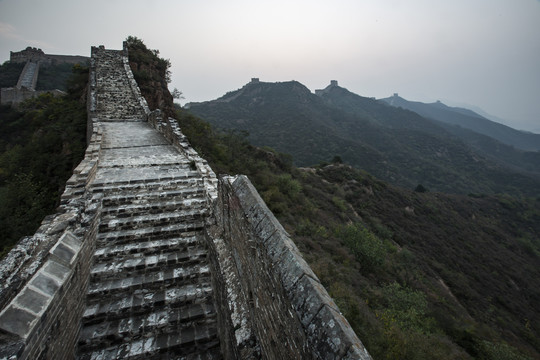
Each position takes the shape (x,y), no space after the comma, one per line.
(149,256)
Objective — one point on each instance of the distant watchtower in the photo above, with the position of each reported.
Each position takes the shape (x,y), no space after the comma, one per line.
(254,80)
(28,54)
(333,82)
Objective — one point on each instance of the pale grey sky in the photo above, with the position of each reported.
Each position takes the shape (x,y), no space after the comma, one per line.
(480,52)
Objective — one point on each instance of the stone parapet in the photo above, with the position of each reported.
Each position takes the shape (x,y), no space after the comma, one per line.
(276,305)
(43,276)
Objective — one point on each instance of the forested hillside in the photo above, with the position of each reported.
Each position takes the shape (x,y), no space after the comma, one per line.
(50,77)
(467,119)
(9,74)
(495,142)
(41,142)
(419,275)
(396,145)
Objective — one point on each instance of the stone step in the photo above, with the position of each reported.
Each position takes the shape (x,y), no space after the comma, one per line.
(189,343)
(115,118)
(148,234)
(124,178)
(121,113)
(142,263)
(150,185)
(152,206)
(140,301)
(157,322)
(114,224)
(152,278)
(188,242)
(134,196)
(149,156)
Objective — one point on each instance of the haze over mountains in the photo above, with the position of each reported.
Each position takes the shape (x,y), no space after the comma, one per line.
(392,143)
(469,119)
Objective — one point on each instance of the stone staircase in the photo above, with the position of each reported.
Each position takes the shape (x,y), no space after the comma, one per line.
(150,294)
(115,98)
(28,77)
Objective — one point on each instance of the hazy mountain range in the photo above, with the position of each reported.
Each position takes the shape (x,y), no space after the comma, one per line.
(471,120)
(401,146)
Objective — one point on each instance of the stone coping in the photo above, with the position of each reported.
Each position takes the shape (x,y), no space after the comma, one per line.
(23,313)
(327,331)
(31,252)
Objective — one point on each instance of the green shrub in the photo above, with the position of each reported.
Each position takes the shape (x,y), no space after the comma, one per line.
(366,247)
(406,308)
(288,186)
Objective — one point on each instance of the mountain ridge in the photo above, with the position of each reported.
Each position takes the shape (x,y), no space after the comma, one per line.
(393,144)
(469,119)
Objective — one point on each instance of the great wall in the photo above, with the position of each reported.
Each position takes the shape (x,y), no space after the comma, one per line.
(150,256)
(26,86)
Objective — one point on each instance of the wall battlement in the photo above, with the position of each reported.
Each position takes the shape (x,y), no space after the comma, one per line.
(150,256)
(37,55)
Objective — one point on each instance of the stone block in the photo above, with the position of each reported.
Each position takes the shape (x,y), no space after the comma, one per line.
(259,216)
(291,268)
(65,250)
(61,222)
(333,338)
(32,301)
(45,283)
(308,296)
(17,321)
(63,253)
(278,244)
(357,352)
(56,269)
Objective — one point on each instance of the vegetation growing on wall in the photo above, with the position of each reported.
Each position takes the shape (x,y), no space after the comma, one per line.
(41,142)
(152,73)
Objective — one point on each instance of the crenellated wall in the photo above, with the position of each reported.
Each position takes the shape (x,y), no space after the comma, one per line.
(267,302)
(37,55)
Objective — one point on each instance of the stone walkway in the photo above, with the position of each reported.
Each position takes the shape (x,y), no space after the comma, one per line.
(150,294)
(27,77)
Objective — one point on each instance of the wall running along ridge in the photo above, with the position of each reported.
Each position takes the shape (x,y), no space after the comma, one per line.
(25,88)
(269,304)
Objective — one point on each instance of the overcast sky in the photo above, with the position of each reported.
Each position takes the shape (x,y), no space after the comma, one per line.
(484,53)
